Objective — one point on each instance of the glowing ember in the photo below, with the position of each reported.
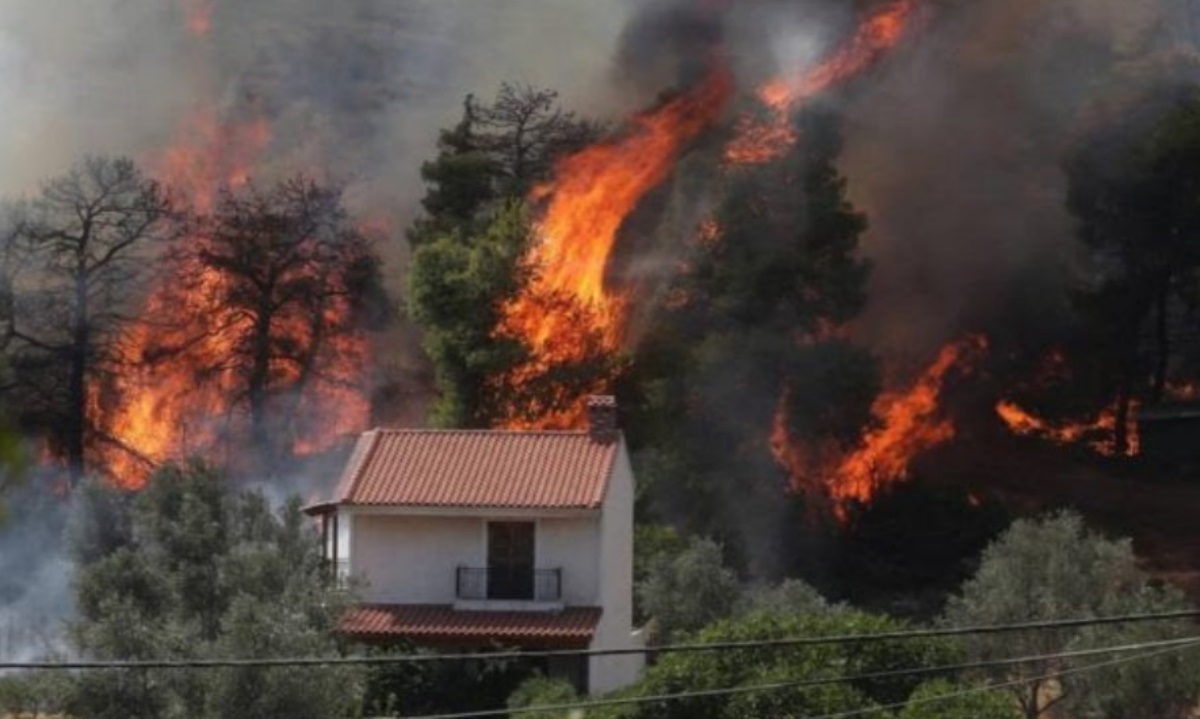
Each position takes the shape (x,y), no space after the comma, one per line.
(1097,433)
(1183,391)
(908,423)
(199,16)
(761,141)
(568,308)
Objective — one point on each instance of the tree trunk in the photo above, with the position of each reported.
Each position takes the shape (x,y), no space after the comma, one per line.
(1031,705)
(258,382)
(1162,340)
(1124,398)
(77,359)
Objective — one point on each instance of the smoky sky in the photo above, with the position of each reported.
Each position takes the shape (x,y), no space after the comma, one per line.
(954,148)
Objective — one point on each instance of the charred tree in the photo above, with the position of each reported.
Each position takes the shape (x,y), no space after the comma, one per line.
(291,277)
(77,260)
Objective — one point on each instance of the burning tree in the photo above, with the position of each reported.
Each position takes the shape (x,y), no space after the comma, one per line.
(494,155)
(293,284)
(76,263)
(470,249)
(756,314)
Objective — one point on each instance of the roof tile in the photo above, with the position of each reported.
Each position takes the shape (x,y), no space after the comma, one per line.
(573,626)
(478,468)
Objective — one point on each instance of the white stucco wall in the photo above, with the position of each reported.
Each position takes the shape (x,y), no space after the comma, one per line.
(411,559)
(574,546)
(615,631)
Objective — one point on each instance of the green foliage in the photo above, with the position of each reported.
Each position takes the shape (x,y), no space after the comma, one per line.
(493,156)
(204,572)
(1057,568)
(791,596)
(698,671)
(457,288)
(1165,686)
(542,691)
(34,694)
(470,246)
(419,688)
(689,590)
(960,702)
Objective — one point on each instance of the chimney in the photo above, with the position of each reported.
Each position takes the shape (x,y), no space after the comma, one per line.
(602,417)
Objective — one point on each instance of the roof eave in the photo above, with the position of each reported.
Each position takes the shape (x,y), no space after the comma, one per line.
(321,508)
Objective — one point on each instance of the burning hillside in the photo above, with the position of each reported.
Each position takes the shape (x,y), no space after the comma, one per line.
(737,141)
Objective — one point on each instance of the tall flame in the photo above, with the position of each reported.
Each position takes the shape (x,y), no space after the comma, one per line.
(762,141)
(586,202)
(904,424)
(149,413)
(908,423)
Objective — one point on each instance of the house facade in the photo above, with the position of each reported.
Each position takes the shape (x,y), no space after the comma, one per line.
(480,538)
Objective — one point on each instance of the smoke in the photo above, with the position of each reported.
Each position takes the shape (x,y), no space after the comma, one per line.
(358,88)
(954,147)
(35,570)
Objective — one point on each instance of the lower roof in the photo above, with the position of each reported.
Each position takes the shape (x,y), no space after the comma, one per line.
(572,627)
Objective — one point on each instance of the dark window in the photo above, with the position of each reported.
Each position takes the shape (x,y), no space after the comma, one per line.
(510,560)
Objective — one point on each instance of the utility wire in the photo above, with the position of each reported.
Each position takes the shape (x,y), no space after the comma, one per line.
(1006,684)
(1041,625)
(821,681)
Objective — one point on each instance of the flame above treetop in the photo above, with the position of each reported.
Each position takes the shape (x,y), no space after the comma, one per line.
(594,190)
(568,311)
(762,141)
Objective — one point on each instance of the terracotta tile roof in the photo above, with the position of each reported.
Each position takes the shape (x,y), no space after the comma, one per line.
(478,468)
(442,624)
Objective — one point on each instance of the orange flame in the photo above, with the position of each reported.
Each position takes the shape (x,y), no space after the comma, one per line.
(199,16)
(908,423)
(1100,430)
(758,142)
(904,424)
(568,306)
(170,403)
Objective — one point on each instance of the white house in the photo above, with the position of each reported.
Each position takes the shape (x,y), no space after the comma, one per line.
(473,538)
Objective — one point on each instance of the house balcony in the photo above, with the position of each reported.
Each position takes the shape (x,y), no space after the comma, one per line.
(505,588)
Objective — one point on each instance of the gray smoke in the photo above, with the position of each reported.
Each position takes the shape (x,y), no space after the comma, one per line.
(954,148)
(356,88)
(35,570)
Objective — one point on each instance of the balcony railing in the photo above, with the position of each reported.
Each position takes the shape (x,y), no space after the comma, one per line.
(513,583)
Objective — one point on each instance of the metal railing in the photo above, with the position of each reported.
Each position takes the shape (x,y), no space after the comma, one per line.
(514,583)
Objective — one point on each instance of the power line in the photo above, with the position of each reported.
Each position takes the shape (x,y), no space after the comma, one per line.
(1004,685)
(899,635)
(821,681)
